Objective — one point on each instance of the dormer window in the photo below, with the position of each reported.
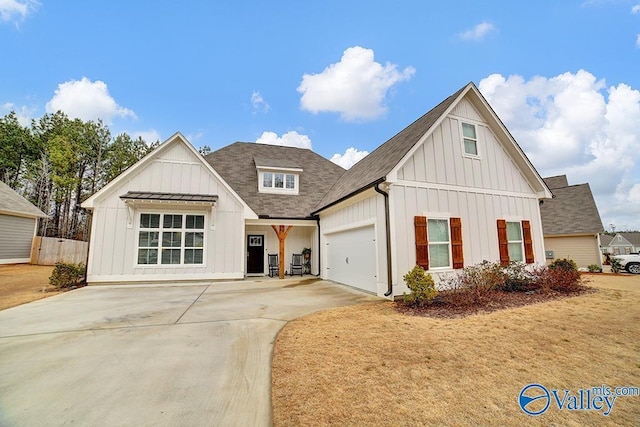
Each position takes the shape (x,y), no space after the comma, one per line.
(277,176)
(279,181)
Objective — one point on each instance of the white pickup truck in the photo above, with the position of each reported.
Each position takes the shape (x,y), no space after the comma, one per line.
(630,262)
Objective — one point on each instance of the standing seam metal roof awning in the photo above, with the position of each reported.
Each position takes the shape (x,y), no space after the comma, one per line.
(142,196)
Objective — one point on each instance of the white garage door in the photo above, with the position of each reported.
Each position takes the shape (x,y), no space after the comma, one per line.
(351,258)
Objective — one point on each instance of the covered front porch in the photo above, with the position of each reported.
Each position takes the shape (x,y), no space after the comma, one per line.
(284,238)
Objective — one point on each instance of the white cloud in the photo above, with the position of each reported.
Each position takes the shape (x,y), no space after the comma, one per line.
(24,114)
(87,100)
(149,136)
(289,139)
(638,40)
(635,9)
(355,87)
(258,103)
(574,124)
(350,157)
(14,10)
(478,32)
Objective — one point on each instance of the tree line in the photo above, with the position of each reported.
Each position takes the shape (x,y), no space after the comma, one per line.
(57,162)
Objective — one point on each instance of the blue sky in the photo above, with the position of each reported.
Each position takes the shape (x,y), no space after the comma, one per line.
(341,77)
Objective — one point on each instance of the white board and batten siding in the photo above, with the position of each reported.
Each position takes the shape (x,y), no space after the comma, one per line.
(353,243)
(17,235)
(438,180)
(113,246)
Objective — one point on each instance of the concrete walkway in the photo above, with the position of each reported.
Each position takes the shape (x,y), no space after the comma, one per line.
(192,355)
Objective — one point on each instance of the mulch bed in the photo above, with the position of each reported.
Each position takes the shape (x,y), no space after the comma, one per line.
(497,300)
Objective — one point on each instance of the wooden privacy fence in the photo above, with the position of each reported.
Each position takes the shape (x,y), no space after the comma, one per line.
(49,250)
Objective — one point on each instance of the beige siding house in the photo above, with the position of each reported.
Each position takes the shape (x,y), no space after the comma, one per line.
(571,223)
(450,190)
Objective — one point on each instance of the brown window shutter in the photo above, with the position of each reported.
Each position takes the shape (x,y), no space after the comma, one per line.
(503,243)
(456,242)
(422,243)
(528,242)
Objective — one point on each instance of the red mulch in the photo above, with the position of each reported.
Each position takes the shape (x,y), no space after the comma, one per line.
(497,300)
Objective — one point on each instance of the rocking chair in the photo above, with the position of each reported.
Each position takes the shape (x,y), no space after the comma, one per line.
(274,266)
(296,264)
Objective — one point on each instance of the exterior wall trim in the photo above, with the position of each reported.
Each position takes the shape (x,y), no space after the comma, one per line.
(476,190)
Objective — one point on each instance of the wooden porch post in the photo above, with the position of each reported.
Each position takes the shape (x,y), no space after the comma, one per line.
(281,232)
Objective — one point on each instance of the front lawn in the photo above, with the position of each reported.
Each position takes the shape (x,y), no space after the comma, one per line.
(371,365)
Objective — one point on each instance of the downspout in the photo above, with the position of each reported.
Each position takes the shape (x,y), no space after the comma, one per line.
(89,226)
(319,248)
(387,222)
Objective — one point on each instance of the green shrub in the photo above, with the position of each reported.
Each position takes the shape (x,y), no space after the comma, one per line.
(65,276)
(564,264)
(616,267)
(423,289)
(593,268)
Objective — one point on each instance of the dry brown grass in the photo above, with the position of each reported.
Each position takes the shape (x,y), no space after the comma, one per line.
(370,365)
(23,283)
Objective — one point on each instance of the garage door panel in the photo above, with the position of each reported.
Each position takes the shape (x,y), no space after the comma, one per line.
(351,258)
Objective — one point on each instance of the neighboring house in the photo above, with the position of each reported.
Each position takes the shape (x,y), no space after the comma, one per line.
(620,244)
(451,190)
(18,226)
(571,223)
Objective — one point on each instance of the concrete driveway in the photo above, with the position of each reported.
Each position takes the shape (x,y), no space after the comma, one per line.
(192,355)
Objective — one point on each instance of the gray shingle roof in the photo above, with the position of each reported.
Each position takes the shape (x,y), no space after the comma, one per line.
(556,181)
(632,236)
(236,164)
(12,202)
(276,163)
(605,239)
(571,211)
(169,197)
(383,159)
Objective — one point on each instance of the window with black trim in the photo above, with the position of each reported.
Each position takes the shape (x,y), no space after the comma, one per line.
(171,239)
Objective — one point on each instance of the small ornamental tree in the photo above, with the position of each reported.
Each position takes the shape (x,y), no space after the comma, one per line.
(616,267)
(423,289)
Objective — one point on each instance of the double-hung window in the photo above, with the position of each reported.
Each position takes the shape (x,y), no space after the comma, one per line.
(515,242)
(171,239)
(469,139)
(514,237)
(439,243)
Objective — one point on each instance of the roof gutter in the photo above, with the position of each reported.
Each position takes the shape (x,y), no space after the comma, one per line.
(387,222)
(353,193)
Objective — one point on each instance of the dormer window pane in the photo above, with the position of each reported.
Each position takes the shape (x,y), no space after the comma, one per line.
(291,181)
(279,180)
(267,180)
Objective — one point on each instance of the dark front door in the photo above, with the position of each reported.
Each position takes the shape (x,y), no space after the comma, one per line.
(255,254)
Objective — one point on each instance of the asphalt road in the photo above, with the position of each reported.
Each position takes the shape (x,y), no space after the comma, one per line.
(192,355)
